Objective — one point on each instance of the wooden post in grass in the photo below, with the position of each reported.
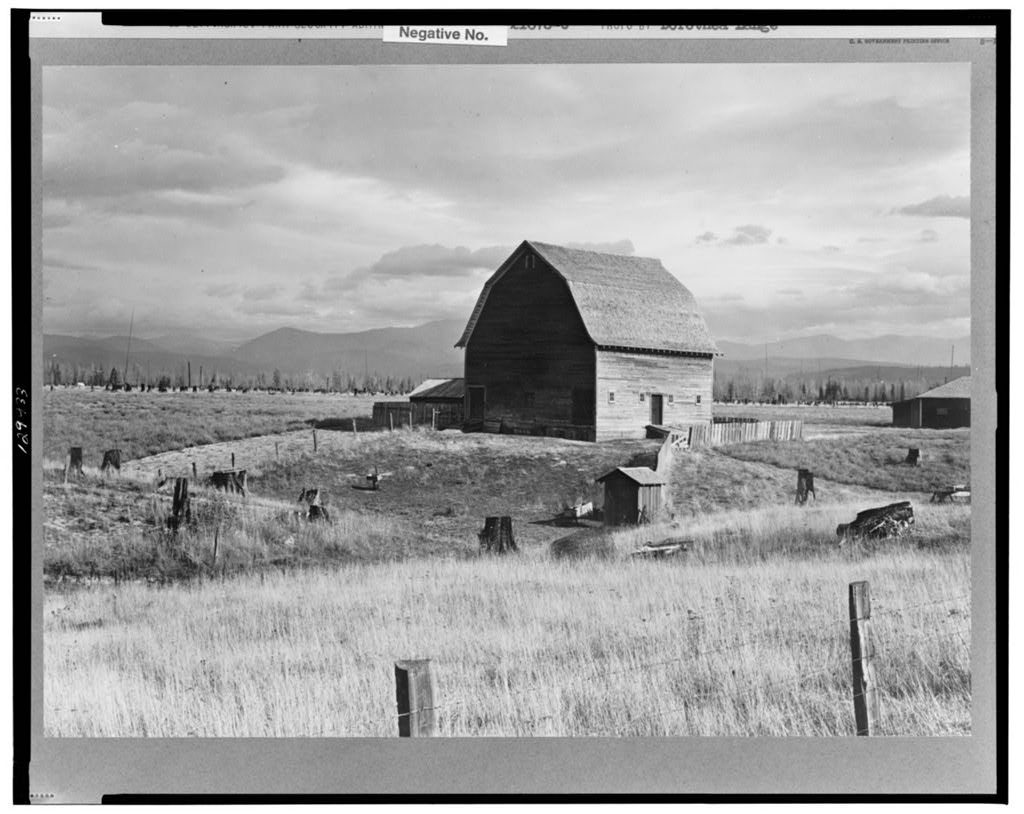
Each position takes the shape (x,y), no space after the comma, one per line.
(804,486)
(862,649)
(194,475)
(414,692)
(73,463)
(181,509)
(232,460)
(353,426)
(433,418)
(391,420)
(111,460)
(277,450)
(314,440)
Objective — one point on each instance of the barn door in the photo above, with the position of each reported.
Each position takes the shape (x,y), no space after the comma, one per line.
(656,409)
(476,402)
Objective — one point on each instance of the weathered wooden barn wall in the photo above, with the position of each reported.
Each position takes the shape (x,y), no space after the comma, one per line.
(628,374)
(531,352)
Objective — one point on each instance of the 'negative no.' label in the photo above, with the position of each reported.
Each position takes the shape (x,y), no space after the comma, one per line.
(448,34)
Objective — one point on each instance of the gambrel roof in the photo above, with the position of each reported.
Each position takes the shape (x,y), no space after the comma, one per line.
(625,302)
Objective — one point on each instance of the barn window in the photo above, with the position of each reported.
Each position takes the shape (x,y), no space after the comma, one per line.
(611,396)
(670,398)
(941,411)
(698,400)
(642,396)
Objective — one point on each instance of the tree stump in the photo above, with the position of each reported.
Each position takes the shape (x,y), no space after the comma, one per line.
(913,456)
(233,480)
(111,460)
(496,537)
(318,514)
(73,463)
(804,486)
(893,520)
(181,509)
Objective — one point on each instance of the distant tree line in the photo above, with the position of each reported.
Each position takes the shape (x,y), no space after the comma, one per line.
(828,390)
(338,381)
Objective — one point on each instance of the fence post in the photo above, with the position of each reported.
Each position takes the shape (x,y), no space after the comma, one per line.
(433,418)
(862,650)
(414,692)
(194,476)
(277,450)
(232,460)
(353,426)
(314,440)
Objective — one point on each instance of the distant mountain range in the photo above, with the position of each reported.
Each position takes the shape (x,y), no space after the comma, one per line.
(428,350)
(892,348)
(420,352)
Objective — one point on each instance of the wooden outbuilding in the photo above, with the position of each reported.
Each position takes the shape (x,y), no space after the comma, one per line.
(632,495)
(585,345)
(439,402)
(945,407)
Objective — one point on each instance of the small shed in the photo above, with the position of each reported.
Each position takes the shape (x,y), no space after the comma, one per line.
(944,407)
(632,495)
(445,396)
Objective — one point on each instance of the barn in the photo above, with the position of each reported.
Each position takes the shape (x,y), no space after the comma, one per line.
(585,345)
(944,407)
(632,494)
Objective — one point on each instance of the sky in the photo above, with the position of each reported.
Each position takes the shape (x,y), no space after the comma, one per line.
(226,202)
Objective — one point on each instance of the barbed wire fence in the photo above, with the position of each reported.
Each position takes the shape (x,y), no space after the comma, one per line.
(884,641)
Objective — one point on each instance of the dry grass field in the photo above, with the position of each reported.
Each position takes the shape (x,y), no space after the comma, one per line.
(141,424)
(293,628)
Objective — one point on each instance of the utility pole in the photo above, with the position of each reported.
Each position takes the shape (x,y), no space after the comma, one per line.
(131,324)
(952,349)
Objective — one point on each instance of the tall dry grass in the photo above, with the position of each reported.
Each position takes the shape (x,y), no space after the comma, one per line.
(522,646)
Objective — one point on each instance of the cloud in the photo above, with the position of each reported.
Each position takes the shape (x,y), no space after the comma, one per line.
(928,236)
(437,261)
(941,206)
(831,249)
(748,235)
(221,289)
(707,237)
(261,292)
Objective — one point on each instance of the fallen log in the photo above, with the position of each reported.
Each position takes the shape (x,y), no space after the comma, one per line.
(664,548)
(960,493)
(893,520)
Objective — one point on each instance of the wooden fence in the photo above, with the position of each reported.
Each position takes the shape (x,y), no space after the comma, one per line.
(418,699)
(742,432)
(399,414)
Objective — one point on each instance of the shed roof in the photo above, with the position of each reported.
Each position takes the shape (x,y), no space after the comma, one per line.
(440,389)
(956,389)
(624,301)
(643,475)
